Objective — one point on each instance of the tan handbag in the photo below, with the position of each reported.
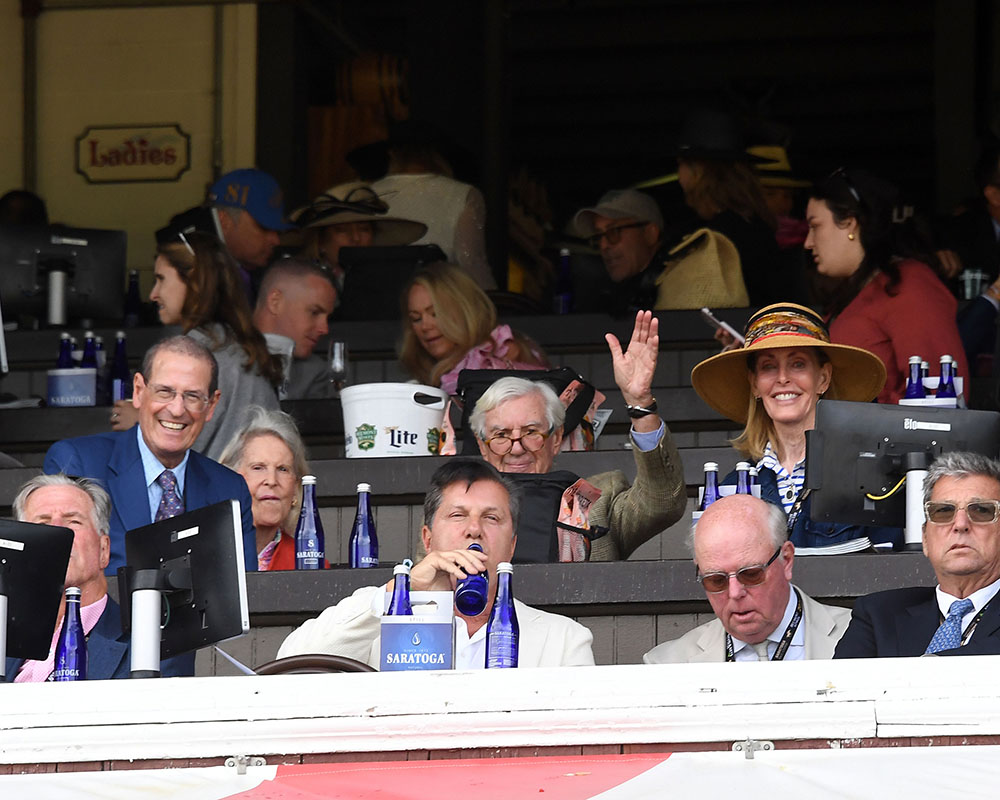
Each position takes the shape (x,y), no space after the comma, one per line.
(703,270)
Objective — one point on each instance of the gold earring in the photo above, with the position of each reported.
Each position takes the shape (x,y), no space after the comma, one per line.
(850,236)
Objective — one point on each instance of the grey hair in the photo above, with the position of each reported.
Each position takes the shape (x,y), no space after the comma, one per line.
(99,499)
(184,346)
(468,471)
(959,465)
(504,389)
(776,522)
(258,422)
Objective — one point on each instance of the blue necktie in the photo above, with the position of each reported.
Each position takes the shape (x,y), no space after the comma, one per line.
(949,635)
(171,503)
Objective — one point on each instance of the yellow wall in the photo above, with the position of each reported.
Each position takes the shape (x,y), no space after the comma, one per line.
(10,96)
(135,66)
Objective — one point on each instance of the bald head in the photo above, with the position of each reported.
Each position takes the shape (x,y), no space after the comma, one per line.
(737,532)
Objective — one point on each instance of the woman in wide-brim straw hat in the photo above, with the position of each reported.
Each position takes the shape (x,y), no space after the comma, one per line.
(771,386)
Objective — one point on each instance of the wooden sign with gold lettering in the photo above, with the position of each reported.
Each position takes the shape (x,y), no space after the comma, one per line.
(130,153)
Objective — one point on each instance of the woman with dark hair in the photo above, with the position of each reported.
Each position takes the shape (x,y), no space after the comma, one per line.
(197,286)
(449,324)
(889,300)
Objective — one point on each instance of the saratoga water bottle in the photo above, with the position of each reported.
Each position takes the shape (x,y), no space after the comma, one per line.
(915,382)
(711,491)
(754,473)
(502,631)
(400,603)
(89,351)
(71,652)
(310,545)
(65,360)
(133,302)
(946,386)
(562,297)
(743,477)
(472,591)
(121,377)
(364,540)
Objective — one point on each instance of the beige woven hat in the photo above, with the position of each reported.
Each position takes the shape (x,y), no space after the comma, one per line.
(721,381)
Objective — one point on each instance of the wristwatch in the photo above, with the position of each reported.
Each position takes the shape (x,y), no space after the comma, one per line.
(638,412)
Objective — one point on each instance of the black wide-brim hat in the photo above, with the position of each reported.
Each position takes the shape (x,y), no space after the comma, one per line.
(709,135)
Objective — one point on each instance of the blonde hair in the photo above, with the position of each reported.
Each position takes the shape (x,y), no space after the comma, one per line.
(465,316)
(726,186)
(759,429)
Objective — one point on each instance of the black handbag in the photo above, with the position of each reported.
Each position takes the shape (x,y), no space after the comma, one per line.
(472,383)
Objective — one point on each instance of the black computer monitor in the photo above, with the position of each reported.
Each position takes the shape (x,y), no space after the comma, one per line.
(375,277)
(208,544)
(93,259)
(33,561)
(862,449)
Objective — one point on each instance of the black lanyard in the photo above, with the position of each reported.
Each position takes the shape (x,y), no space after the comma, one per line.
(786,637)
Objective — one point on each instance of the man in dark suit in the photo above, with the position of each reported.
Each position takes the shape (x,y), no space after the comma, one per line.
(960,616)
(83,507)
(150,470)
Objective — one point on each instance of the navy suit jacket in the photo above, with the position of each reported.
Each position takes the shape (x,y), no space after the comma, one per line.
(108,652)
(901,622)
(114,460)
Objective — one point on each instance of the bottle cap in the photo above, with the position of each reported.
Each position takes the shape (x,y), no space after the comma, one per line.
(120,335)
(914,359)
(754,471)
(475,546)
(711,466)
(742,465)
(924,365)
(364,487)
(564,251)
(64,335)
(88,334)
(402,569)
(946,359)
(308,480)
(505,566)
(72,591)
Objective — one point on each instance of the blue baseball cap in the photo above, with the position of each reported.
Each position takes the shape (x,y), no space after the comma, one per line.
(255,192)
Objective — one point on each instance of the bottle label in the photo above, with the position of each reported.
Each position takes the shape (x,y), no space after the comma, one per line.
(501,649)
(66,674)
(368,561)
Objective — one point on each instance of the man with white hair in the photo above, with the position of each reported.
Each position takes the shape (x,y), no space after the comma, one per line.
(81,505)
(744,562)
(518,426)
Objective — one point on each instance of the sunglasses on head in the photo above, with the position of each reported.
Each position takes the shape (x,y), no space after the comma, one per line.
(755,575)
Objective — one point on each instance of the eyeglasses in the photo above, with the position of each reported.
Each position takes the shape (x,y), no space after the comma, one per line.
(193,401)
(979,511)
(715,582)
(531,440)
(614,234)
(841,172)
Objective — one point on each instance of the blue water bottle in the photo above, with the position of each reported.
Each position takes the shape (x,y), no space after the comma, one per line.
(121,377)
(915,381)
(743,477)
(562,297)
(71,651)
(89,359)
(310,545)
(711,491)
(502,630)
(400,603)
(946,386)
(65,360)
(472,591)
(754,479)
(364,541)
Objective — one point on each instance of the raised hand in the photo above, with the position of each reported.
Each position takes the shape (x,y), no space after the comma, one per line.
(634,367)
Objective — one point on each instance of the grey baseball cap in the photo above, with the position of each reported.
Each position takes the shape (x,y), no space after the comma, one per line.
(619,204)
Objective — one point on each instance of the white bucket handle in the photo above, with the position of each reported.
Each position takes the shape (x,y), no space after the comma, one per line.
(428,400)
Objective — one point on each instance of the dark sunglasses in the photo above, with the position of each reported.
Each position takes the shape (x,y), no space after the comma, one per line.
(715,582)
(614,234)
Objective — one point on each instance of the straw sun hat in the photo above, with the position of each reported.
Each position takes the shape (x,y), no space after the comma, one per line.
(721,381)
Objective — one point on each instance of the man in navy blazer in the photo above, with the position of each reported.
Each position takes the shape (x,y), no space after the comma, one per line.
(83,507)
(962,541)
(175,392)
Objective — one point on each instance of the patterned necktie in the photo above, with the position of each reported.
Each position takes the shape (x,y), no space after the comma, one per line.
(949,635)
(171,503)
(761,650)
